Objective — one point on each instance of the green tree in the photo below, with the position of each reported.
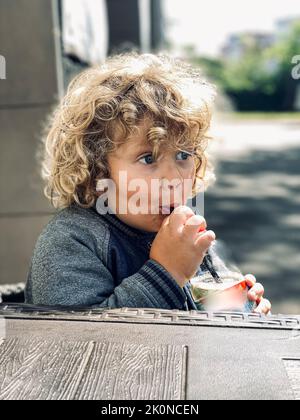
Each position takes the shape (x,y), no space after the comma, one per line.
(262,79)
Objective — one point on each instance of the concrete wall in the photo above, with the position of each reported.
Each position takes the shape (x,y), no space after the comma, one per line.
(28,44)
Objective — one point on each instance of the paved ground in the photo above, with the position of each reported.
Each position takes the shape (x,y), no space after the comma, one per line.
(254,206)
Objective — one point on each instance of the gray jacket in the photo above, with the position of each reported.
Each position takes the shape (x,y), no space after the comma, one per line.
(86,259)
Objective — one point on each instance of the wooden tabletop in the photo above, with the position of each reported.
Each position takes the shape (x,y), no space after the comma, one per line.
(145,354)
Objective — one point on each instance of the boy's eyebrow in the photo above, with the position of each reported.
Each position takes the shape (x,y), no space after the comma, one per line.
(141,150)
(147,149)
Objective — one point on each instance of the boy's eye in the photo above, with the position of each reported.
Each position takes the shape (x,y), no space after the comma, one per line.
(183,155)
(147,160)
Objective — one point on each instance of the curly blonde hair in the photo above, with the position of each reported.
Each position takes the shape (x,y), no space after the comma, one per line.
(116,97)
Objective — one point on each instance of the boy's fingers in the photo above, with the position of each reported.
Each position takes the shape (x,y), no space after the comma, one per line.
(250,279)
(204,241)
(256,292)
(180,216)
(264,307)
(193,225)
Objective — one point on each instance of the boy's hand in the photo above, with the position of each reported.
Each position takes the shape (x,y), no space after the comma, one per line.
(256,294)
(179,247)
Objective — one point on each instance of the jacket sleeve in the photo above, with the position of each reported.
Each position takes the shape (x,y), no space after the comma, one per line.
(65,271)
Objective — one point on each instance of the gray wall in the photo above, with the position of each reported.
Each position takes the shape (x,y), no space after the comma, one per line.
(28,43)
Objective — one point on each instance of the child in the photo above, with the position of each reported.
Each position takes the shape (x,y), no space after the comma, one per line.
(144,118)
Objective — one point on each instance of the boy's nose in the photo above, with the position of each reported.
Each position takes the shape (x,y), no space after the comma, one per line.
(170,184)
(170,174)
(171,191)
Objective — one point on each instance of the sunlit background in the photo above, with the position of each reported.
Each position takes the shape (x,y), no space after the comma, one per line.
(249,50)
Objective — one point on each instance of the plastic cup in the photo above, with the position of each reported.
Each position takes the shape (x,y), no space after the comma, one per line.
(230,295)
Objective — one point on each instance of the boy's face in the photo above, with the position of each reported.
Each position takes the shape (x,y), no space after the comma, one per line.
(167,180)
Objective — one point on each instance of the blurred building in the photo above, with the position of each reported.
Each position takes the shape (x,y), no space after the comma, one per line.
(284,26)
(93,29)
(238,44)
(44,43)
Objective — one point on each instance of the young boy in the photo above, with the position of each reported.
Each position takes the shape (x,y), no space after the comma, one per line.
(144,118)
